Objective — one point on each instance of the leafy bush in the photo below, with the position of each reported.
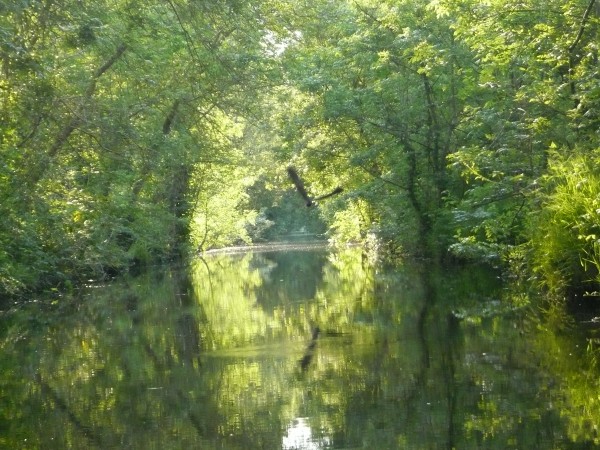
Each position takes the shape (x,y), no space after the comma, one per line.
(565,235)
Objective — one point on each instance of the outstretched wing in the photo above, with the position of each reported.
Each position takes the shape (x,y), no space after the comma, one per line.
(336,191)
(299,185)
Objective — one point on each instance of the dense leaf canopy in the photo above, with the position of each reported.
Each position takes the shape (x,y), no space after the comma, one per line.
(133,131)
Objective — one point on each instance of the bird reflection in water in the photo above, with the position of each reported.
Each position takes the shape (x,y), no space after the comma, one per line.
(310,350)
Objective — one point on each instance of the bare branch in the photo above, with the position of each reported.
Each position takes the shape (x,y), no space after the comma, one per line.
(584,20)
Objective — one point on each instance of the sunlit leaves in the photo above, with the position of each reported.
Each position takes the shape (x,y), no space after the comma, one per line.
(112,107)
(519,101)
(375,113)
(221,215)
(566,231)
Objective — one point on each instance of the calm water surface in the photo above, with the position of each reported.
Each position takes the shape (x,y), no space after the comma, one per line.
(305,349)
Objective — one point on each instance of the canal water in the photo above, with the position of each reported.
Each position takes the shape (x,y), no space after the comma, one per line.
(304,348)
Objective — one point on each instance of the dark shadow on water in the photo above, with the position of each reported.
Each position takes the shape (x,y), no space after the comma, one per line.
(293,349)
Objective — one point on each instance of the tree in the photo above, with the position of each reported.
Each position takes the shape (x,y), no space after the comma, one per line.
(110,111)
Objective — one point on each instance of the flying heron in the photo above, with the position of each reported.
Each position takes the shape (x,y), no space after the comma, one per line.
(310,201)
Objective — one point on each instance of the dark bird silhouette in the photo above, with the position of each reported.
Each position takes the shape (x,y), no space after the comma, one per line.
(310,201)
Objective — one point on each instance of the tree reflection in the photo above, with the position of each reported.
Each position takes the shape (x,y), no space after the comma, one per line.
(226,354)
(299,435)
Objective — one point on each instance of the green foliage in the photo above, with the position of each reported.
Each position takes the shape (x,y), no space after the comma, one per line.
(367,113)
(129,126)
(348,224)
(566,232)
(221,216)
(108,110)
(525,98)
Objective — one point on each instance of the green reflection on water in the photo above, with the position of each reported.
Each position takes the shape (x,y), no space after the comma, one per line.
(225,354)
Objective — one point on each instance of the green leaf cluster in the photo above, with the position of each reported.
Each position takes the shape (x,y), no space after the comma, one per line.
(442,118)
(112,114)
(134,130)
(566,242)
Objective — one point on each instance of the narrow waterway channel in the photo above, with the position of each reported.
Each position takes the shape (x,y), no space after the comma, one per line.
(294,349)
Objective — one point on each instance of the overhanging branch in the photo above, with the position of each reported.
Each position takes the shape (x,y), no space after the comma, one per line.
(584,20)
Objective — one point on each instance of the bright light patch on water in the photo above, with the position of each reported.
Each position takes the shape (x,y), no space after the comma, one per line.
(299,436)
